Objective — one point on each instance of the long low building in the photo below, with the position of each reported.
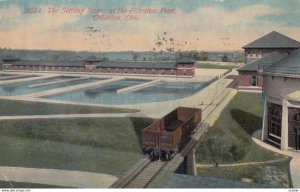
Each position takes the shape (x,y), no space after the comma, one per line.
(182,67)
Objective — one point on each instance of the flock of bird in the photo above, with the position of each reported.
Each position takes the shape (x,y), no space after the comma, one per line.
(94,32)
(162,42)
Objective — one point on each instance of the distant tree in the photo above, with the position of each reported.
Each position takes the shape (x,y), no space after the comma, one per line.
(55,57)
(135,56)
(203,56)
(225,58)
(181,55)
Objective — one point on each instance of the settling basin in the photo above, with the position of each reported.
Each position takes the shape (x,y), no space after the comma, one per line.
(108,95)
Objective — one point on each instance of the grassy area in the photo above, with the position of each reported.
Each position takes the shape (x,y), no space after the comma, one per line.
(273,173)
(12,184)
(229,140)
(214,66)
(107,145)
(10,107)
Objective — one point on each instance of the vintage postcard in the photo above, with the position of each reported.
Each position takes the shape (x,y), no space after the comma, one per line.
(149,94)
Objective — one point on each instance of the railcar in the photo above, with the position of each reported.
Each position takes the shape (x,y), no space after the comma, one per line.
(165,137)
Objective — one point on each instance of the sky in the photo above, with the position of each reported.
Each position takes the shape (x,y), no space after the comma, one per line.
(177,25)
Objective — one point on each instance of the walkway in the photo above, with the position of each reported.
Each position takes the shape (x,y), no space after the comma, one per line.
(56,177)
(10,77)
(295,162)
(57,82)
(139,86)
(28,79)
(95,84)
(64,116)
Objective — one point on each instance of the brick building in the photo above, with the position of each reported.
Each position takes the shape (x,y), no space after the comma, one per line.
(182,67)
(264,51)
(250,77)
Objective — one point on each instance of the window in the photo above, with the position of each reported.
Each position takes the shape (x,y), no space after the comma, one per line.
(254,81)
(275,128)
(297,117)
(274,120)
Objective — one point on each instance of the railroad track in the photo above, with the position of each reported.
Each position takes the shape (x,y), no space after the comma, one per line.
(140,175)
(144,171)
(147,175)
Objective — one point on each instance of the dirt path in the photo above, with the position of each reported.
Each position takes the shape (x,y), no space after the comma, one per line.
(56,177)
(241,164)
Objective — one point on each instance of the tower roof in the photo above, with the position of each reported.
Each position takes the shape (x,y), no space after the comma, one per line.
(273,40)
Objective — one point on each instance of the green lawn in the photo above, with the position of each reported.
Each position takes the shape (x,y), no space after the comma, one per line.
(10,107)
(104,145)
(273,173)
(214,66)
(229,139)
